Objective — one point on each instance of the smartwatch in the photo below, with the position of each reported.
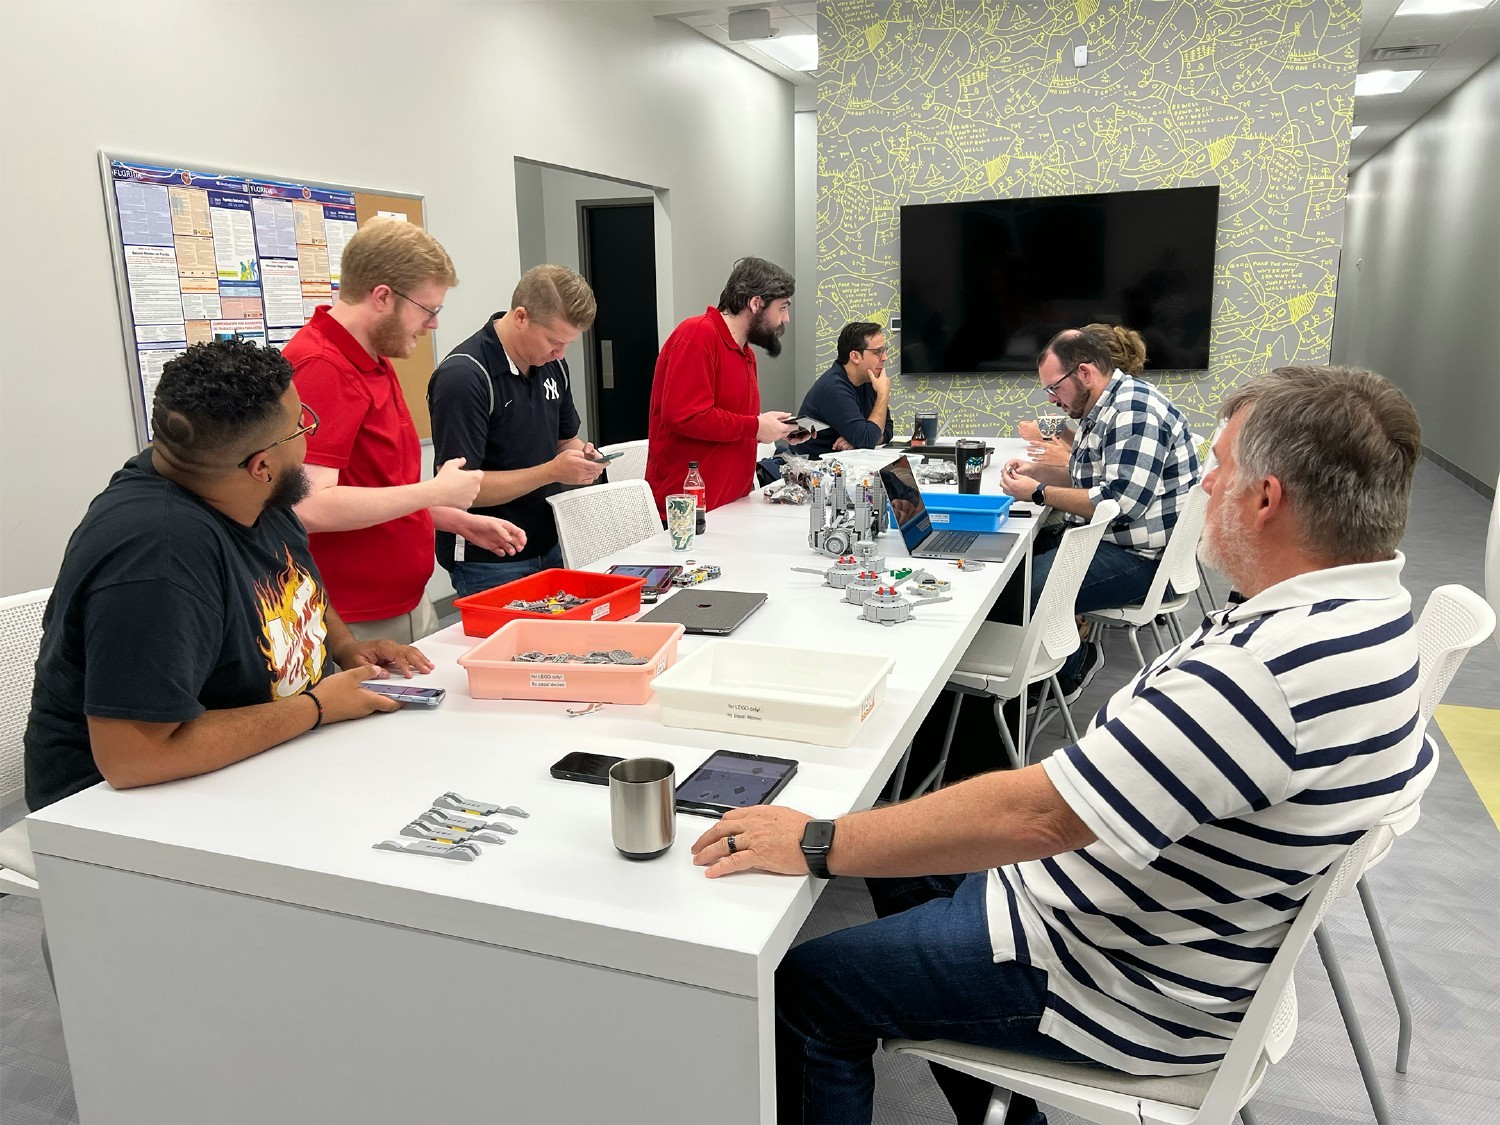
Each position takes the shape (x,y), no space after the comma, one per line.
(817,839)
(1039,496)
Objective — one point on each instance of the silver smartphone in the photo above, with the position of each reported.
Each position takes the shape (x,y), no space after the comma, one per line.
(409,694)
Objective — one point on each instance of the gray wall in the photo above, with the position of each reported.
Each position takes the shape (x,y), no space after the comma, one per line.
(398,96)
(1421,273)
(805,234)
(929,103)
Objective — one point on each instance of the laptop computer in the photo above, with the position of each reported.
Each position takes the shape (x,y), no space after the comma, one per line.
(712,613)
(916,527)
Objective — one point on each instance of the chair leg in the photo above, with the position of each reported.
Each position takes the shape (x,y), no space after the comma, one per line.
(1392,975)
(1067,712)
(1156,636)
(1005,736)
(1246,1117)
(1135,643)
(1174,626)
(899,784)
(934,779)
(1041,718)
(1351,1025)
(999,1107)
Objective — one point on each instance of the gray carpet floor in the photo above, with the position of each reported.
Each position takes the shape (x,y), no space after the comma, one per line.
(1439,892)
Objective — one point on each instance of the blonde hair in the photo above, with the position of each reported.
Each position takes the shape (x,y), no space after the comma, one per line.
(395,253)
(552,293)
(1126,347)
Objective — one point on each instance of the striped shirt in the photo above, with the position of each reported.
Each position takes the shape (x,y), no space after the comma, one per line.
(1220,784)
(1134,448)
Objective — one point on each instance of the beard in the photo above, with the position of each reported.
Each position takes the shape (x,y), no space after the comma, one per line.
(1227,546)
(390,337)
(288,490)
(764,337)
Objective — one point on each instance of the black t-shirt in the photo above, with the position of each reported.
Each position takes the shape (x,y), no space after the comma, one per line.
(165,608)
(500,421)
(846,408)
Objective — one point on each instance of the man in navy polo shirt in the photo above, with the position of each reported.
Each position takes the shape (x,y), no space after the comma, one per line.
(503,399)
(853,396)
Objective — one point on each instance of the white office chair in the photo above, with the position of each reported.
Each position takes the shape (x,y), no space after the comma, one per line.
(1112,1097)
(20,637)
(1454,620)
(1178,567)
(1204,446)
(1492,558)
(631,464)
(1002,661)
(603,518)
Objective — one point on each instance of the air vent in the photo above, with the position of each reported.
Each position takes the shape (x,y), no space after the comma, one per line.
(1404,54)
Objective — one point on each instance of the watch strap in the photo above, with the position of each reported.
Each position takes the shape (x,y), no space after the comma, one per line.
(817,857)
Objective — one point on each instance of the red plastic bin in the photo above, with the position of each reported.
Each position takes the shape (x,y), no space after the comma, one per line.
(611,597)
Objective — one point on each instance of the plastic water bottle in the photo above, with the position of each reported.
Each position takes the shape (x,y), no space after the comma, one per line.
(695,488)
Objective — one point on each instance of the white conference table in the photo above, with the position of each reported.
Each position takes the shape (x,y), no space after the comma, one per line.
(230,948)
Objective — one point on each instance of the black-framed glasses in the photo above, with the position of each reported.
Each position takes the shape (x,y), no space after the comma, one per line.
(432,314)
(1051,388)
(876,351)
(307,423)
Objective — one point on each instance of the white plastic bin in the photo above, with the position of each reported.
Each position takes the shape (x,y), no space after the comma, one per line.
(773,692)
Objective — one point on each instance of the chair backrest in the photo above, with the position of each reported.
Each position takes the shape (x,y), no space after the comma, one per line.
(1270,1023)
(596,521)
(1492,558)
(1179,559)
(1052,626)
(20,638)
(631,464)
(1453,621)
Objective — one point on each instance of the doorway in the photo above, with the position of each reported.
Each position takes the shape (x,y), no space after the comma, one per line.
(617,253)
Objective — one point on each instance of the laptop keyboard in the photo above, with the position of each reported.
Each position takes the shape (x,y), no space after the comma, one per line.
(950,542)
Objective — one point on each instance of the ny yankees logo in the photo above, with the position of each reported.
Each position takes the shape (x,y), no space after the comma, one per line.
(550,386)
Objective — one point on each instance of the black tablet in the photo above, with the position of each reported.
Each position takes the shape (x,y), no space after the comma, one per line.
(731,780)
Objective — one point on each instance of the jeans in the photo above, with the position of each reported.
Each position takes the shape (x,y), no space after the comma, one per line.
(1115,577)
(472,577)
(923,970)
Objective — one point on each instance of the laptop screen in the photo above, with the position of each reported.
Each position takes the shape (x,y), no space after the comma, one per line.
(906,502)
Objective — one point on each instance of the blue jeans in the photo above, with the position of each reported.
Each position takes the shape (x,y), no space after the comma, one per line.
(1115,577)
(923,970)
(472,577)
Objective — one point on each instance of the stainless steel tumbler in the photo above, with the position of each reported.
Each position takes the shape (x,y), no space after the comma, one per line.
(643,806)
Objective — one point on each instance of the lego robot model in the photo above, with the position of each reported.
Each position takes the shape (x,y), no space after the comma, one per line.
(886,606)
(839,525)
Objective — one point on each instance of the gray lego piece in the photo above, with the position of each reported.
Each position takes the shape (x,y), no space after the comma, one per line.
(452,801)
(466,852)
(437,818)
(423,831)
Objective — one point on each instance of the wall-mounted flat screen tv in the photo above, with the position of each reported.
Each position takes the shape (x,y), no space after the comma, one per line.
(985,284)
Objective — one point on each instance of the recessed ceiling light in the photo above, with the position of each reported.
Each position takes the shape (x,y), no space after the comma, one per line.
(1440,7)
(1376,82)
(1358,129)
(797,52)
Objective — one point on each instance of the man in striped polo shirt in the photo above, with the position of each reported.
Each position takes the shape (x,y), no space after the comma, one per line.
(1132,888)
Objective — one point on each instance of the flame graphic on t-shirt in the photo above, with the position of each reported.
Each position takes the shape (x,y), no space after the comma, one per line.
(292,608)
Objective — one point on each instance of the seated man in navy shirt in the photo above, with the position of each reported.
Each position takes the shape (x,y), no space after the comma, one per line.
(853,396)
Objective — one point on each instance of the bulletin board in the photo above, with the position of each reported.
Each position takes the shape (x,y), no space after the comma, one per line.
(203,254)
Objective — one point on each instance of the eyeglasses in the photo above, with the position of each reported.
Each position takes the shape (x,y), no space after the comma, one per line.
(1051,388)
(875,351)
(307,424)
(432,314)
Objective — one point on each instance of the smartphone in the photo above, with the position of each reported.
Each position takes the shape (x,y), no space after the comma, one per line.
(658,578)
(732,780)
(606,458)
(806,427)
(583,766)
(409,694)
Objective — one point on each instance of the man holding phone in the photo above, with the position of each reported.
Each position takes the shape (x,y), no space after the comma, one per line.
(503,400)
(189,627)
(853,396)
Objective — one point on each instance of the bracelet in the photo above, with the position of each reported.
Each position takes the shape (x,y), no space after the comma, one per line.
(319,706)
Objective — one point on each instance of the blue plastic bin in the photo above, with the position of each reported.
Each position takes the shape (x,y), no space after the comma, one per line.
(952,511)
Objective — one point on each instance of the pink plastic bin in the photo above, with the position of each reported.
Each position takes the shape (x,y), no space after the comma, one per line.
(495,674)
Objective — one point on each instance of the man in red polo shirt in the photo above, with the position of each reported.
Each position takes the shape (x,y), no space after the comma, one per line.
(705,397)
(370,515)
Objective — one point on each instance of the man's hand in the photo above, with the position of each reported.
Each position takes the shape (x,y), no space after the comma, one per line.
(841,444)
(572,466)
(386,657)
(766,838)
(882,384)
(1030,430)
(1050,452)
(342,698)
(492,533)
(1016,479)
(775,425)
(453,486)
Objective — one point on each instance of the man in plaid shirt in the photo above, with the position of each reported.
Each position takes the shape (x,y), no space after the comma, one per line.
(1132,447)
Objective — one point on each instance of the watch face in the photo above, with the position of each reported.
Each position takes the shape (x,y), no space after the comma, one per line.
(818,834)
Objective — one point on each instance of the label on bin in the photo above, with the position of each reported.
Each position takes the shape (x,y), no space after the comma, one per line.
(599,611)
(937,517)
(866,708)
(661,665)
(549,680)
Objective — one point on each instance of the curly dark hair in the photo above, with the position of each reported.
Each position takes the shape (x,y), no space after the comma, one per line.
(855,336)
(216,401)
(755,277)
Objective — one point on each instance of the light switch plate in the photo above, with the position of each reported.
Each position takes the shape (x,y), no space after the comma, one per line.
(1081,55)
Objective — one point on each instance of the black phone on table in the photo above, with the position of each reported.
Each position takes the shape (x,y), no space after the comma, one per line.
(580,765)
(733,780)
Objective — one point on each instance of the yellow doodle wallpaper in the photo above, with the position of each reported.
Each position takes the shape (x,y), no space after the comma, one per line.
(937,101)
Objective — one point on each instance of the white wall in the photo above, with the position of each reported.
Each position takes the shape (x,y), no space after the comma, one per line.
(805,233)
(432,98)
(1421,268)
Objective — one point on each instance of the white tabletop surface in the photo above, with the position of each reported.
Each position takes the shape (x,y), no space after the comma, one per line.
(296,823)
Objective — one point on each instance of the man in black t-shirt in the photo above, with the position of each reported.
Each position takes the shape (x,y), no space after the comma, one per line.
(853,396)
(189,627)
(504,401)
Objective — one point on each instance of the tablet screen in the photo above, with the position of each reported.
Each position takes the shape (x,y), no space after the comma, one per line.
(733,781)
(657,577)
